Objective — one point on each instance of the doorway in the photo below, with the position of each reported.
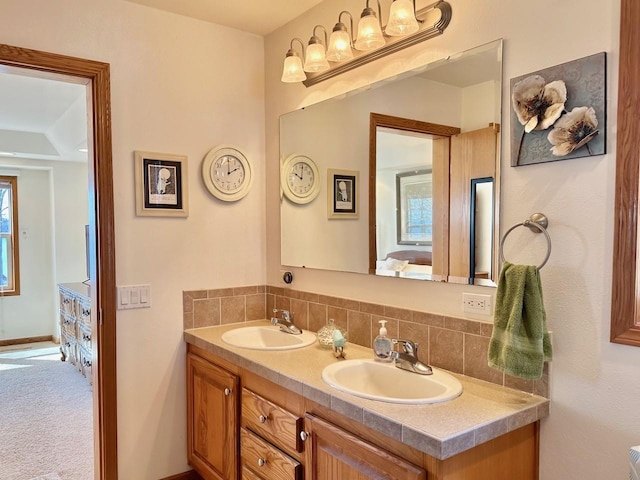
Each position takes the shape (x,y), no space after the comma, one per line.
(95,75)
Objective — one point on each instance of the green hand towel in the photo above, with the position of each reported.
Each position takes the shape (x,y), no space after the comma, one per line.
(520,342)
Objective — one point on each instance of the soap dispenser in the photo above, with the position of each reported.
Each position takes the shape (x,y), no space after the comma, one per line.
(382,345)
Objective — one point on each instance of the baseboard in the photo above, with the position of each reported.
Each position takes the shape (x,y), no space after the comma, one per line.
(190,475)
(20,341)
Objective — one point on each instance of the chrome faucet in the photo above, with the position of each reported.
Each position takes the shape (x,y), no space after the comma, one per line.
(285,322)
(408,358)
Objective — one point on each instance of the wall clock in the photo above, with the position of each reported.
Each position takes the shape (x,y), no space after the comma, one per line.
(226,172)
(299,179)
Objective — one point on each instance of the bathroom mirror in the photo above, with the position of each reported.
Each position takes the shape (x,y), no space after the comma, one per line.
(440,108)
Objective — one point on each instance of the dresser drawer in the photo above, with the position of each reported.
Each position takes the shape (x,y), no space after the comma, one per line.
(68,348)
(68,304)
(84,363)
(83,311)
(265,460)
(84,336)
(276,424)
(67,325)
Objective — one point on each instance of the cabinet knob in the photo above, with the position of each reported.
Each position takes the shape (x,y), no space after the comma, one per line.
(227,391)
(304,435)
(263,419)
(261,462)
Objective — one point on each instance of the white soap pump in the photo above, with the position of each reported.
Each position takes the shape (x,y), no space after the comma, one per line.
(382,345)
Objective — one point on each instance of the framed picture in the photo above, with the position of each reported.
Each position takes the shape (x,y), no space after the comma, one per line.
(161,184)
(342,194)
(559,113)
(414,207)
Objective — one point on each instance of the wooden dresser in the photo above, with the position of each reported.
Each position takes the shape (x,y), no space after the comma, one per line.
(75,326)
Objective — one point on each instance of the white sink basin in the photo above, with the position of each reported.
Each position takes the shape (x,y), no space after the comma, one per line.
(387,383)
(267,338)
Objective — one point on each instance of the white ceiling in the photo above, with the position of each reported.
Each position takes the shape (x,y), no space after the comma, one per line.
(256,16)
(47,119)
(42,119)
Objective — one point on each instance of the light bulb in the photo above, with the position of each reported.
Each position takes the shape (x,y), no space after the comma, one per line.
(292,71)
(339,49)
(369,31)
(402,19)
(315,60)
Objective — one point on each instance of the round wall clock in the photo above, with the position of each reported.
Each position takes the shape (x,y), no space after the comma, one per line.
(299,179)
(227,173)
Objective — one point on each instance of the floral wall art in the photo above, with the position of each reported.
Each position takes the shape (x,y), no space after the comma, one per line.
(559,113)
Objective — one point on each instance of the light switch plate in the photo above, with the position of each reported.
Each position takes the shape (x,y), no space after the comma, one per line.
(134,296)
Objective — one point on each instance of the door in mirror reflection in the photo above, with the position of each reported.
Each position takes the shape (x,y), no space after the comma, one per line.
(440,226)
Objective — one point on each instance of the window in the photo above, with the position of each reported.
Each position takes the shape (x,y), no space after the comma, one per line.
(9,262)
(414,207)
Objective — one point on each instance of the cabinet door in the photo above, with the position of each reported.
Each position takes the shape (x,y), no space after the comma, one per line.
(212,423)
(335,454)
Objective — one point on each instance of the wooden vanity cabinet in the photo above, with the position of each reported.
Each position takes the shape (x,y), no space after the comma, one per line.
(335,447)
(212,419)
(333,453)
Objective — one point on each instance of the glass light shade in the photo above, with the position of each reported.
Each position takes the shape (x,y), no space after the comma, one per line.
(402,19)
(339,47)
(369,33)
(315,60)
(292,71)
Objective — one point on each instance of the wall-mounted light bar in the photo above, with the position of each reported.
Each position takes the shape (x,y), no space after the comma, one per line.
(346,49)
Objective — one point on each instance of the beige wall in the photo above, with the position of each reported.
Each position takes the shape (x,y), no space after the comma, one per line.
(177,86)
(594,384)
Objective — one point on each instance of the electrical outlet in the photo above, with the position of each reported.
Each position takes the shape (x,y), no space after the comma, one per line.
(476,303)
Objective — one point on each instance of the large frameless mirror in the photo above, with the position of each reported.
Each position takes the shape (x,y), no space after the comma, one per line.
(414,148)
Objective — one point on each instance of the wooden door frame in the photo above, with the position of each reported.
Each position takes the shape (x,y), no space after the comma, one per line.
(408,125)
(95,74)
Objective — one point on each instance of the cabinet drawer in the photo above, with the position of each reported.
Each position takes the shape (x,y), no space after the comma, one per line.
(68,348)
(271,421)
(85,363)
(67,325)
(266,460)
(248,474)
(84,336)
(68,304)
(83,312)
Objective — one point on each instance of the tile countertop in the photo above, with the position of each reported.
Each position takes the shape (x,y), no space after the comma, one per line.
(484,410)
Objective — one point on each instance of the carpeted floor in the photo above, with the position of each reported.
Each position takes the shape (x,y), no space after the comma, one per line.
(46,422)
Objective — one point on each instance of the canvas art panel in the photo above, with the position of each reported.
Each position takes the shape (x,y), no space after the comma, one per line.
(559,113)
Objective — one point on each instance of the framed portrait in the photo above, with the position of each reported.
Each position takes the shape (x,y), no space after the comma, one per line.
(414,207)
(342,194)
(161,184)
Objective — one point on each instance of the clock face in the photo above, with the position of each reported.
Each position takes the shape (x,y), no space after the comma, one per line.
(299,179)
(226,173)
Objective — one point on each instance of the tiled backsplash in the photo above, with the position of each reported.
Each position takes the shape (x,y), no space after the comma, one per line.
(454,344)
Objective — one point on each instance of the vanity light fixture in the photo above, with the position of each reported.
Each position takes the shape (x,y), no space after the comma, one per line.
(405,27)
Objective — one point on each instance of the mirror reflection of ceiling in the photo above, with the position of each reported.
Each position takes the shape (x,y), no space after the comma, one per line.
(392,144)
(42,119)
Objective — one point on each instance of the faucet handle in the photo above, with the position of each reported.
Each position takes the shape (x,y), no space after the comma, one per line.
(409,347)
(287,316)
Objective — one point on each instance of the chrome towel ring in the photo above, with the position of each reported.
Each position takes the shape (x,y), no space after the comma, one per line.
(537,223)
